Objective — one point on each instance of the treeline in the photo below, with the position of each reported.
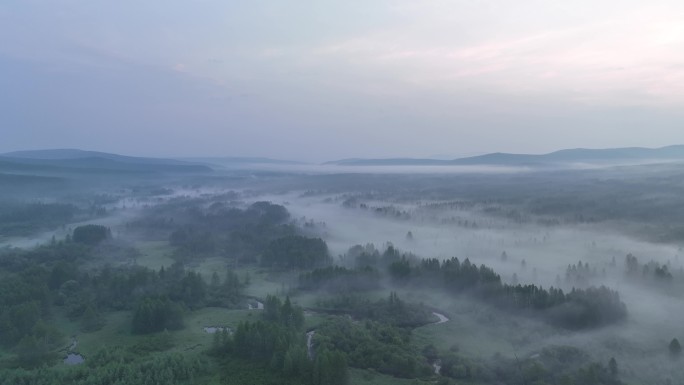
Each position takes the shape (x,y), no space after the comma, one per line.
(580,274)
(158,298)
(336,279)
(373,345)
(385,211)
(155,314)
(553,365)
(369,257)
(296,252)
(37,283)
(392,310)
(77,247)
(25,314)
(277,344)
(376,335)
(382,339)
(24,219)
(651,271)
(122,288)
(197,229)
(261,234)
(578,309)
(17,260)
(29,293)
(91,234)
(114,366)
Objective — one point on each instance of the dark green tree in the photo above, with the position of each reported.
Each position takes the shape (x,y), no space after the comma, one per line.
(90,234)
(30,351)
(155,314)
(675,348)
(613,367)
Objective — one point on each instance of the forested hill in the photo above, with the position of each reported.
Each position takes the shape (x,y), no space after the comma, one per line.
(53,161)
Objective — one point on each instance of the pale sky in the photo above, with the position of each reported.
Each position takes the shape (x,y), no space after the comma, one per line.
(319,80)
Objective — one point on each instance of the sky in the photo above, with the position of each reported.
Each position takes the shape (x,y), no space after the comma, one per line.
(319,80)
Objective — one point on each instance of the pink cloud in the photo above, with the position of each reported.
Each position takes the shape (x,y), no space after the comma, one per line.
(627,59)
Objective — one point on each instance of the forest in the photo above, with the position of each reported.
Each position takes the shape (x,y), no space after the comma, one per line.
(297,279)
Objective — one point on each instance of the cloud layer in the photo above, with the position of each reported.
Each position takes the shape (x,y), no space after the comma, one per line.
(341,79)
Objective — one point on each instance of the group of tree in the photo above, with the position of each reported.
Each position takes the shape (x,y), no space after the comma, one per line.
(14,260)
(122,288)
(577,309)
(114,366)
(39,282)
(651,271)
(368,256)
(373,345)
(552,365)
(25,316)
(581,274)
(197,229)
(392,310)
(155,314)
(91,234)
(27,218)
(337,279)
(296,252)
(675,348)
(277,344)
(385,211)
(391,350)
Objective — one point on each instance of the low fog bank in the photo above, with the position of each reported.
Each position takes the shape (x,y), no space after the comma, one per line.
(557,255)
(332,169)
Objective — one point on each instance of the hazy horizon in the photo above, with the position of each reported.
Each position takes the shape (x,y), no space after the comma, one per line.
(199,157)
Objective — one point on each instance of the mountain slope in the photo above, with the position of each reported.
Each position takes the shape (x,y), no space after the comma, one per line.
(78,160)
(60,154)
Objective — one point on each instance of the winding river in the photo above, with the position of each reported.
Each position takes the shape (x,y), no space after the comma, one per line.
(309,344)
(73,358)
(437,365)
(442,318)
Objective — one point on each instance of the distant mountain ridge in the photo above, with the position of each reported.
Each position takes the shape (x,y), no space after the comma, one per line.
(26,161)
(69,153)
(577,155)
(72,159)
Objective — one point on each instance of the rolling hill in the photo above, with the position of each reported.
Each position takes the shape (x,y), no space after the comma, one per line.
(65,160)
